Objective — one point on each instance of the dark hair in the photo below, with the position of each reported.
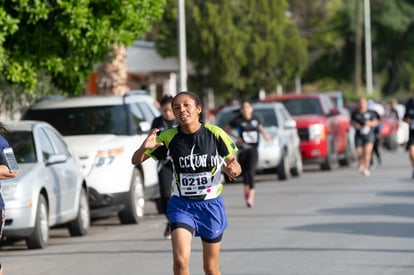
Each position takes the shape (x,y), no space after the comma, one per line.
(195,97)
(166,99)
(245,101)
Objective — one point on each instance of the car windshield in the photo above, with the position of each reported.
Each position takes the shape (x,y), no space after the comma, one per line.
(23,146)
(266,115)
(303,106)
(84,120)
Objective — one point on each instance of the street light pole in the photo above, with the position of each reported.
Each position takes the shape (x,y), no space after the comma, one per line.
(368,50)
(358,39)
(182,46)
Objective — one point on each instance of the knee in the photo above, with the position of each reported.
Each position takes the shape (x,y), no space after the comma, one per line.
(211,269)
(181,263)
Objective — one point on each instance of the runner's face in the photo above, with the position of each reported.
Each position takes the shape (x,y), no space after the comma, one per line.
(167,112)
(185,110)
(363,105)
(246,110)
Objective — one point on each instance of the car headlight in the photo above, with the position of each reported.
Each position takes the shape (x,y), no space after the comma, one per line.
(106,157)
(317,131)
(9,191)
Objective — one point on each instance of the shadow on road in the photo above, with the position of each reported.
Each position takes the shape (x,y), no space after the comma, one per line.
(382,229)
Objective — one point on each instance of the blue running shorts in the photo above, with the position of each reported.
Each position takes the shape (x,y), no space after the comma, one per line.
(206,218)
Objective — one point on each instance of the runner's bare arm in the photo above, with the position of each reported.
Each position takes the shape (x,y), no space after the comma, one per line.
(263,132)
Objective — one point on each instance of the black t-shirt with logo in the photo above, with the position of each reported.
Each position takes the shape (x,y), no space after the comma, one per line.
(361,118)
(247,129)
(197,159)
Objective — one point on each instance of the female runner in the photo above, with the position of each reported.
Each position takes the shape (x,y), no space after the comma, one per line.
(198,152)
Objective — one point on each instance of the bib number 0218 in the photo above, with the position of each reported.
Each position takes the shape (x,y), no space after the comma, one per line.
(194,181)
(195,184)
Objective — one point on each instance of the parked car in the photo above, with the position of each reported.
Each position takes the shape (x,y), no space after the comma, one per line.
(323,130)
(337,98)
(104,131)
(281,153)
(49,189)
(389,129)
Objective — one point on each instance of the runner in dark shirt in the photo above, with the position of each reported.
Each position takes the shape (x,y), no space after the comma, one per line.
(409,118)
(364,121)
(165,169)
(249,128)
(198,152)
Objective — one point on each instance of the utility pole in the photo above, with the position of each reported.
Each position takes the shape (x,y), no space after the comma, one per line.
(182,46)
(358,36)
(368,50)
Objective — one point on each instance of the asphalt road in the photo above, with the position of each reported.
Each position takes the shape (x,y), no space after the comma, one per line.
(329,223)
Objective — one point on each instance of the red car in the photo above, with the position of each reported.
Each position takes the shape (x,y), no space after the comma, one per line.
(389,130)
(323,130)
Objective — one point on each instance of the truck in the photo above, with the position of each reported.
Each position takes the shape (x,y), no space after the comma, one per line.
(324,131)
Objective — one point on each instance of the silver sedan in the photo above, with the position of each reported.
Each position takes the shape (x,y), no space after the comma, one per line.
(49,189)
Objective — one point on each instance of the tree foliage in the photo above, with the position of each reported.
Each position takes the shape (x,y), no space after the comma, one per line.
(329,27)
(237,46)
(66,38)
(393,37)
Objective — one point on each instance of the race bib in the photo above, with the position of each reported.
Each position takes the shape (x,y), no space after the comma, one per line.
(365,130)
(250,136)
(195,184)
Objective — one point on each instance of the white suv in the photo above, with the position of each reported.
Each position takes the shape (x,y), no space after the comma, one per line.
(104,131)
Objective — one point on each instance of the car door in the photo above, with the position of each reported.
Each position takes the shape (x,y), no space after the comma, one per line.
(49,174)
(335,121)
(290,133)
(69,172)
(59,174)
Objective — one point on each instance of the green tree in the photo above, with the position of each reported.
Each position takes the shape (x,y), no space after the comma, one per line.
(236,46)
(66,38)
(393,37)
(329,27)
(329,31)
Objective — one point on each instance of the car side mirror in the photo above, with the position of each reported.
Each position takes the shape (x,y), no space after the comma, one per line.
(144,127)
(290,124)
(58,158)
(334,112)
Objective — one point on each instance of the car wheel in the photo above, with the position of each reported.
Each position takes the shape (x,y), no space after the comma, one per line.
(80,225)
(40,235)
(330,159)
(347,159)
(297,170)
(134,208)
(283,170)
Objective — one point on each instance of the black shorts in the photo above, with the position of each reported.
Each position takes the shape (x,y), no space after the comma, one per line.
(362,140)
(410,141)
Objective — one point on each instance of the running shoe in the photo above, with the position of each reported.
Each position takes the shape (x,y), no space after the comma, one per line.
(250,202)
(366,173)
